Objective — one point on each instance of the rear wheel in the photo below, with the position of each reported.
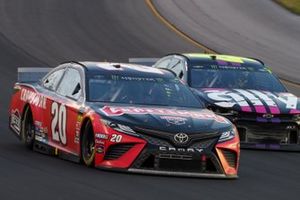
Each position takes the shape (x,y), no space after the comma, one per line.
(27,129)
(88,145)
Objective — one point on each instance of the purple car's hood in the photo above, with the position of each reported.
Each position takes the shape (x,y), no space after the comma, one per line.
(254,101)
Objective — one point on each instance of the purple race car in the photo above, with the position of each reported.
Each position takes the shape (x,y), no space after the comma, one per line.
(246,92)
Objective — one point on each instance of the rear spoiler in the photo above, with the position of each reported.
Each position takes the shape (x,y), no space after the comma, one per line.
(143,61)
(31,74)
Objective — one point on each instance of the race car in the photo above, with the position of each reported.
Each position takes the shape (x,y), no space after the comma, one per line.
(122,117)
(246,92)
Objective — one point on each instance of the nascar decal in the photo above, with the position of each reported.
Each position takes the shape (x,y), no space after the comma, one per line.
(260,101)
(118,111)
(33,98)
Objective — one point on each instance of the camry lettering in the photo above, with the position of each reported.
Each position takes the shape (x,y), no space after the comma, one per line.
(191,150)
(118,111)
(33,98)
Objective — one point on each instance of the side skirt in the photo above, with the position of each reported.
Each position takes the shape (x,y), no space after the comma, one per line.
(46,149)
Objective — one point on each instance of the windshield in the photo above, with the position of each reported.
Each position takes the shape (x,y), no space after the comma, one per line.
(234,77)
(141,90)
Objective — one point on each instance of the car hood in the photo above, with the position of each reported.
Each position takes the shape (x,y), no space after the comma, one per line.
(253,101)
(167,119)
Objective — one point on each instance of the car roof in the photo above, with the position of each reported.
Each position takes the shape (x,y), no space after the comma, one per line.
(124,69)
(227,58)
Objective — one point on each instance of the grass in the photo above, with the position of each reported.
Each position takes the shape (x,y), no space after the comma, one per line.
(292,5)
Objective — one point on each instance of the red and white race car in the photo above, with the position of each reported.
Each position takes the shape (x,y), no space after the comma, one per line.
(123,117)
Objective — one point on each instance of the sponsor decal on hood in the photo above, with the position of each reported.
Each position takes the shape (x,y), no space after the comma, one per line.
(197,114)
(253,100)
(174,120)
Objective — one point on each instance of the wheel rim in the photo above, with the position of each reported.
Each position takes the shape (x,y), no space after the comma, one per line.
(89,145)
(29,131)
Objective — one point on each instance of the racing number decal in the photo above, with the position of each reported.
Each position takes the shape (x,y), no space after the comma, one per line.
(58,124)
(116,138)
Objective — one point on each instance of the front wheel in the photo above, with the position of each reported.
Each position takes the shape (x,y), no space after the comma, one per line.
(88,145)
(27,129)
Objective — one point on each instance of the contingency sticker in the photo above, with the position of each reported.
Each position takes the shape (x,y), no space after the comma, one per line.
(15,120)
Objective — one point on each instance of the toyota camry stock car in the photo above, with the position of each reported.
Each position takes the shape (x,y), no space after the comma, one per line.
(123,117)
(245,91)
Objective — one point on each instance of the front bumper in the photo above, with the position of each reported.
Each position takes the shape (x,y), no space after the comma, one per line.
(284,136)
(170,173)
(184,174)
(205,159)
(274,147)
(153,159)
(155,152)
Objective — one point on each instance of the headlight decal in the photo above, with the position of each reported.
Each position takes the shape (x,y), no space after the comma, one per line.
(227,135)
(119,127)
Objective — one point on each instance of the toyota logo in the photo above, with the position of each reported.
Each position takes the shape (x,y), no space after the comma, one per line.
(181,138)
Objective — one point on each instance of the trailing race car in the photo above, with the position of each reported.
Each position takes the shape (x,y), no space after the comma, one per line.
(122,117)
(245,91)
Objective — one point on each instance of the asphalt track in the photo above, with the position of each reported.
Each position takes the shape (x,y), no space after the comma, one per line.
(255,28)
(44,33)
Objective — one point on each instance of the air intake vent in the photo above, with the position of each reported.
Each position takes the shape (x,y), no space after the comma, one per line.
(230,156)
(116,151)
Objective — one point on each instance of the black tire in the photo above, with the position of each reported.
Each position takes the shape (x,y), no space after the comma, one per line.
(28,129)
(87,145)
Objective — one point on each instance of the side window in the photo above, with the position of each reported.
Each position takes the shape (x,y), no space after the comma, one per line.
(177,66)
(70,85)
(53,79)
(163,63)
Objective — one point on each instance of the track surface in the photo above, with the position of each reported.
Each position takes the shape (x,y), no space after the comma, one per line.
(253,28)
(42,33)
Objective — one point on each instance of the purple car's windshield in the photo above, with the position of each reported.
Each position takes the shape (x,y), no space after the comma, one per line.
(141,90)
(232,77)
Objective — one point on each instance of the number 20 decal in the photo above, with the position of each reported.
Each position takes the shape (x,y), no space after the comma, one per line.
(58,124)
(116,138)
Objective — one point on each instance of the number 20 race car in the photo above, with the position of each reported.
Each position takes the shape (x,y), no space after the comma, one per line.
(245,91)
(122,117)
